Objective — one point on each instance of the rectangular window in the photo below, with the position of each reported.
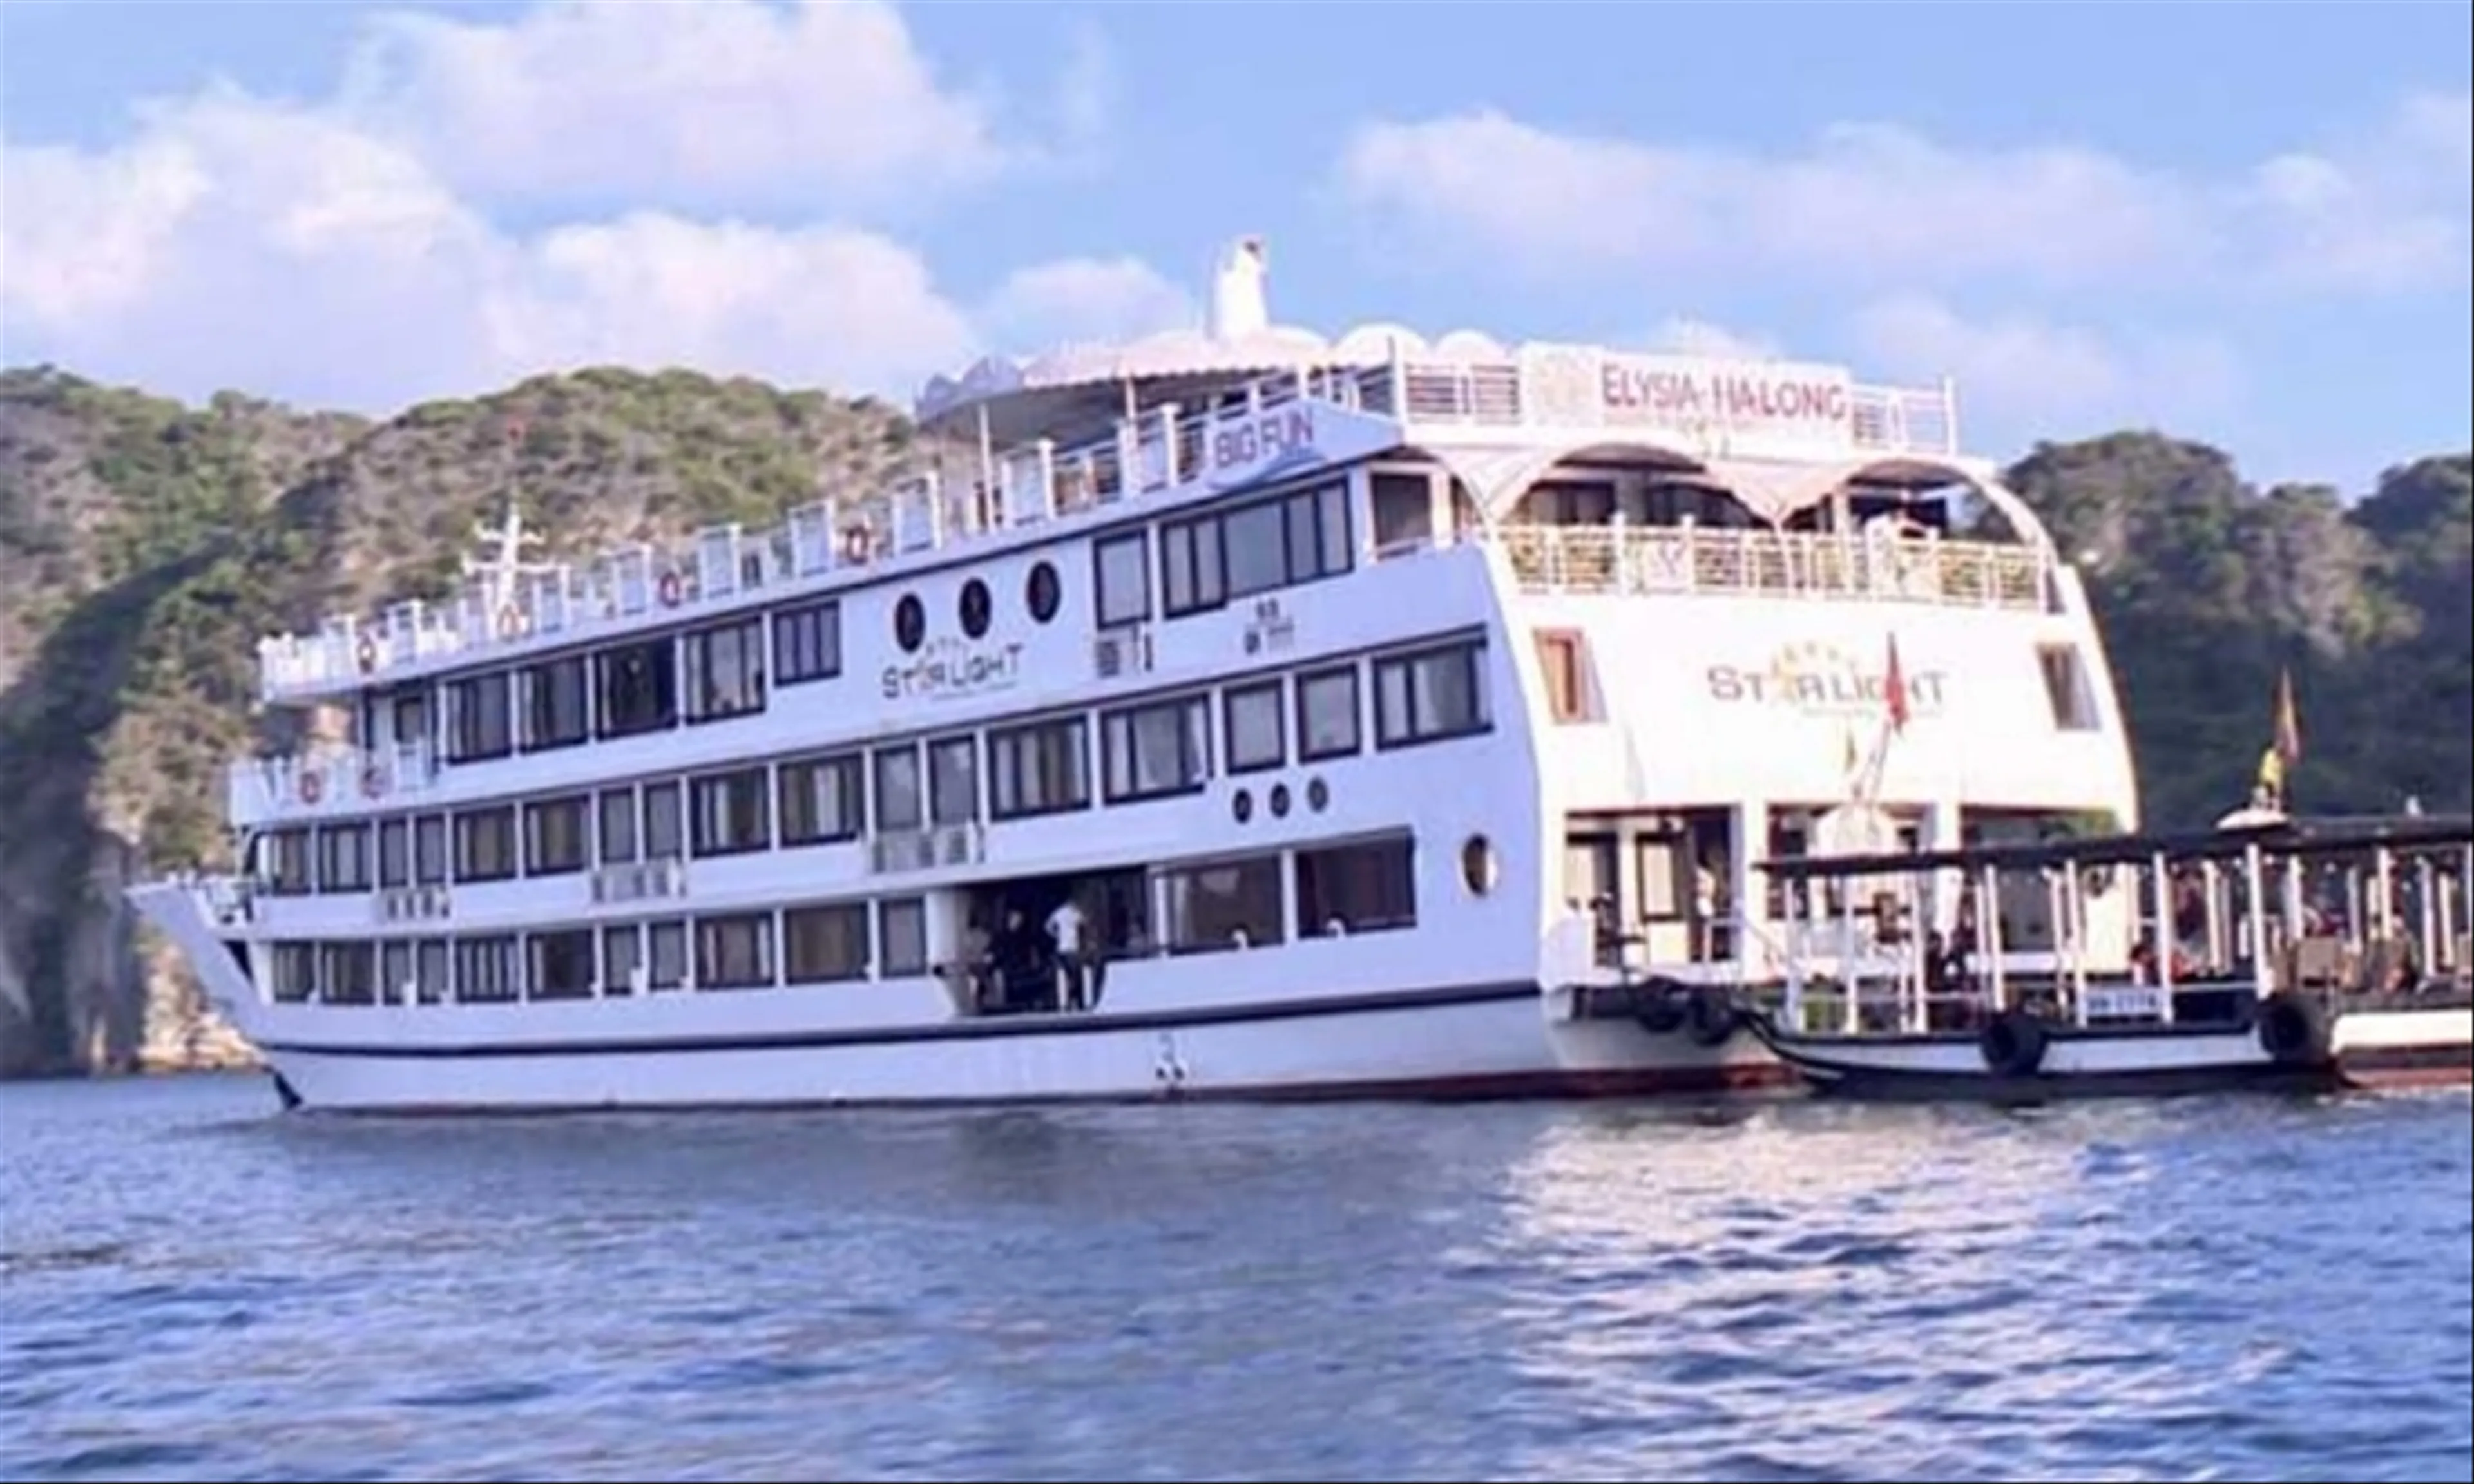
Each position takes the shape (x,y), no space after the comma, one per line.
(664,839)
(1257,736)
(485,970)
(1358,888)
(1044,768)
(821,800)
(733,813)
(807,643)
(410,726)
(1230,905)
(622,959)
(433,971)
(481,724)
(397,985)
(666,950)
(347,974)
(2067,690)
(284,862)
(725,668)
(560,963)
(430,850)
(1404,512)
(902,936)
(1157,750)
(637,687)
(1191,576)
(1121,575)
(897,789)
(555,839)
(1327,714)
(485,843)
(344,858)
(735,953)
(1429,696)
(292,969)
(1560,664)
(617,807)
(1255,543)
(556,703)
(824,944)
(395,853)
(953,779)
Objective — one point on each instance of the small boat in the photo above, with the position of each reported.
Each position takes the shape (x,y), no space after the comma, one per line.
(2270,951)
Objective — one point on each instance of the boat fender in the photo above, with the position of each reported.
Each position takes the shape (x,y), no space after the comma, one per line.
(2293,1029)
(1710,1015)
(2013,1044)
(1662,1005)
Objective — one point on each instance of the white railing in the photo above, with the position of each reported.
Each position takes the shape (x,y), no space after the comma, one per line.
(1642,560)
(1164,448)
(329,778)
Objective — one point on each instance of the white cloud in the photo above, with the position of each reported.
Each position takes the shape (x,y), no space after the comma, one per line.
(320,254)
(2022,372)
(1882,203)
(1686,336)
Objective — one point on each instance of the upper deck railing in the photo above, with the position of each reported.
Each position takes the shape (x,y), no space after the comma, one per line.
(1617,560)
(1164,450)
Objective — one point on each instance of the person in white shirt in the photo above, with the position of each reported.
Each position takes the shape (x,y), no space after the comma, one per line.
(1066,931)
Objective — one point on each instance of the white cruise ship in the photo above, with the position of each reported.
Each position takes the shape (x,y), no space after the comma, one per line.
(1387,708)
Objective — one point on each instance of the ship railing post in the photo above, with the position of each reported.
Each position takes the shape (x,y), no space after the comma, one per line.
(2255,917)
(1988,934)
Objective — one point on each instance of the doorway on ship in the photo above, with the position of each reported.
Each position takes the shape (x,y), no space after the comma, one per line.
(1049,940)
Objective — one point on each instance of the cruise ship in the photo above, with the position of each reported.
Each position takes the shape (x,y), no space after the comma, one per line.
(1235,713)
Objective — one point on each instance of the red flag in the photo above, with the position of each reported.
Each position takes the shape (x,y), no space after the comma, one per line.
(1893,688)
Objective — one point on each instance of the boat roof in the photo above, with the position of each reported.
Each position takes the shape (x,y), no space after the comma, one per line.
(2315,835)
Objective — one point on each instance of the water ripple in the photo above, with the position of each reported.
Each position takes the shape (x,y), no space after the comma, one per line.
(2246,1288)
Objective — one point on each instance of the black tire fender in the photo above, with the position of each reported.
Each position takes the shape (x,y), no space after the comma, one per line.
(2013,1044)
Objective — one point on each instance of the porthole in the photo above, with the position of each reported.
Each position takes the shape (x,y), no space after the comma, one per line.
(1042,593)
(1279,800)
(1478,865)
(975,608)
(909,622)
(1318,794)
(1242,806)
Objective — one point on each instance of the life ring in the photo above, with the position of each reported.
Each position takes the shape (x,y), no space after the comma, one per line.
(2013,1044)
(1710,1016)
(1662,1005)
(367,653)
(671,590)
(373,782)
(311,786)
(2293,1029)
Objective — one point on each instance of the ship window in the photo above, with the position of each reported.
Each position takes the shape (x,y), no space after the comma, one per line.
(663,839)
(292,969)
(2067,688)
(411,722)
(807,643)
(953,779)
(485,970)
(344,858)
(640,690)
(1230,905)
(821,800)
(622,959)
(485,843)
(555,703)
(480,726)
(285,858)
(1042,592)
(1430,696)
(1357,888)
(1256,738)
(733,812)
(1121,574)
(395,853)
(431,971)
(1044,768)
(1191,576)
(1560,662)
(1404,512)
(902,936)
(1157,750)
(561,964)
(347,974)
(1327,714)
(726,670)
(666,946)
(820,945)
(897,789)
(1255,542)
(735,953)
(554,842)
(618,809)
(430,850)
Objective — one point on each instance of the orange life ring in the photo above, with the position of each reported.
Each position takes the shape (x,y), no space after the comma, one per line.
(368,653)
(311,786)
(672,589)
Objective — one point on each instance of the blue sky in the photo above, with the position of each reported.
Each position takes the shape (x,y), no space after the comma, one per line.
(2242,224)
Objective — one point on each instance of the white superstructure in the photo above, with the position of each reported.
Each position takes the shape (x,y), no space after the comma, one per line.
(1367,696)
